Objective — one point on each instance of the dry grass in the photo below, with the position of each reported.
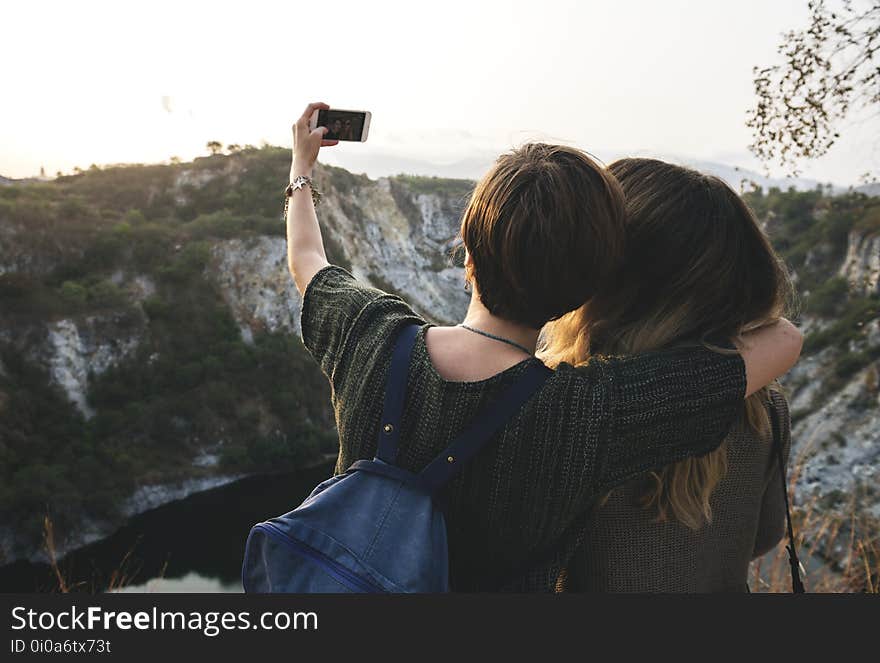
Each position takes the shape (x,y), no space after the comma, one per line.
(49,547)
(123,575)
(839,554)
(839,551)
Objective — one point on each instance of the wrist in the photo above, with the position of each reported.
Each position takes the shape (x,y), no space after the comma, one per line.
(301,168)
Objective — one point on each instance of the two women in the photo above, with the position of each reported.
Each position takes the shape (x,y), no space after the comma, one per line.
(544,232)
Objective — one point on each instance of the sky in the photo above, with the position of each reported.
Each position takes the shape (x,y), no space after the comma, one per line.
(118,82)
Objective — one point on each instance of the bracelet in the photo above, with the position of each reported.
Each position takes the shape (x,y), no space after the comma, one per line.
(296,185)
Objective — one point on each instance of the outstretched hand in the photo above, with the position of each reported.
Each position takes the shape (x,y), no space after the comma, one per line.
(307,144)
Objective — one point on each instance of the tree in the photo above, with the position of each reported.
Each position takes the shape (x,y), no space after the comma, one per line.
(233,147)
(830,70)
(214,146)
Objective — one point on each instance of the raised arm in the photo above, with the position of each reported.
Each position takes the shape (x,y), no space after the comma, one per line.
(305,246)
(769,352)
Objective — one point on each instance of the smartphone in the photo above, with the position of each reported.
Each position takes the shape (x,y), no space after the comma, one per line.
(342,124)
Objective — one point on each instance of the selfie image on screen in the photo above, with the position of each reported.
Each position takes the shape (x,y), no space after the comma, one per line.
(342,125)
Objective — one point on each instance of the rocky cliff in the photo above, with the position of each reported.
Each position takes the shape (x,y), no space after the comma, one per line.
(103,276)
(832,246)
(85,300)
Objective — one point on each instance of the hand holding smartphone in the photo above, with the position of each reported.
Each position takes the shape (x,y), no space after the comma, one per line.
(346,125)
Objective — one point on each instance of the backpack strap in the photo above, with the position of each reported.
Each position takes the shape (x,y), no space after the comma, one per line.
(797,585)
(486,422)
(481,428)
(395,393)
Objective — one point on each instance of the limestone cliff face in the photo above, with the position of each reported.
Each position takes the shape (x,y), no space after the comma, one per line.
(835,398)
(836,432)
(861,267)
(77,348)
(399,240)
(386,235)
(74,350)
(254,280)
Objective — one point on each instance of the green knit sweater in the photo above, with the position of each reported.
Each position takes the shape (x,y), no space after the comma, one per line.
(519,509)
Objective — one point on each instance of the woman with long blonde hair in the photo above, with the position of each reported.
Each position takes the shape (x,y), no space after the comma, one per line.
(698,270)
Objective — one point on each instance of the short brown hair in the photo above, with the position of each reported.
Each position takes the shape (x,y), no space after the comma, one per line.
(545,231)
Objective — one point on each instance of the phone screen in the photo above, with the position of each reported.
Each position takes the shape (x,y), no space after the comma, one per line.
(342,125)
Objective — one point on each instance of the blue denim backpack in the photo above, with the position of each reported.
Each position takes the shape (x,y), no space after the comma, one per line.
(377,527)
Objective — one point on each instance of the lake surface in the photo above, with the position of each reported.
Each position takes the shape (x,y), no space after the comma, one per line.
(193,545)
(197,544)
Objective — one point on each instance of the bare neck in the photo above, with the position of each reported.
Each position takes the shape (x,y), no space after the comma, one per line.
(479,317)
(460,355)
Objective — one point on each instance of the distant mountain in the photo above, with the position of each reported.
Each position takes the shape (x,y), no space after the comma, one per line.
(383,164)
(744,179)
(5,181)
(377,164)
(872,189)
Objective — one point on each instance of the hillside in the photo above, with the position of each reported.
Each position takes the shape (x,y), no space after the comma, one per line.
(148,330)
(832,246)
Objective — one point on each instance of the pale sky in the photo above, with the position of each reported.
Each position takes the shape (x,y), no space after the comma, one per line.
(109,82)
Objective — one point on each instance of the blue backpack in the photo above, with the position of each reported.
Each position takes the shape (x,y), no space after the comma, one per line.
(377,527)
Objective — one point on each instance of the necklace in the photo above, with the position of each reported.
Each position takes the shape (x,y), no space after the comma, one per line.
(497,338)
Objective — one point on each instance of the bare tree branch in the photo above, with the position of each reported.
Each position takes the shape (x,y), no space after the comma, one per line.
(829,69)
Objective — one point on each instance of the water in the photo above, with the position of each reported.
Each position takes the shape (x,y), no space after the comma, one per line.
(194,545)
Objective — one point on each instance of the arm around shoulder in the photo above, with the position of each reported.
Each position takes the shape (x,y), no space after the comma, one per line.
(769,352)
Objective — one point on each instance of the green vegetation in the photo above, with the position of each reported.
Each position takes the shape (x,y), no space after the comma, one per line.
(192,382)
(50,460)
(848,326)
(441,186)
(341,180)
(810,231)
(811,224)
(829,298)
(192,379)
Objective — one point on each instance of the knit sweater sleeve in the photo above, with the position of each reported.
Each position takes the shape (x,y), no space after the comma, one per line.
(666,406)
(345,322)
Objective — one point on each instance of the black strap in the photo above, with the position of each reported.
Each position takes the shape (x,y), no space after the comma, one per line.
(395,392)
(481,428)
(472,439)
(797,585)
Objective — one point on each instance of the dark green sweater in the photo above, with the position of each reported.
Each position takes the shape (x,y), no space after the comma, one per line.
(517,512)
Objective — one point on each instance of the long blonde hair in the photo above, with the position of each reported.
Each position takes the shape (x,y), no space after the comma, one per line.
(698,268)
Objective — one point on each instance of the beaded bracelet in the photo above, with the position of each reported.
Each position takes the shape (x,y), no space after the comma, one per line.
(296,185)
